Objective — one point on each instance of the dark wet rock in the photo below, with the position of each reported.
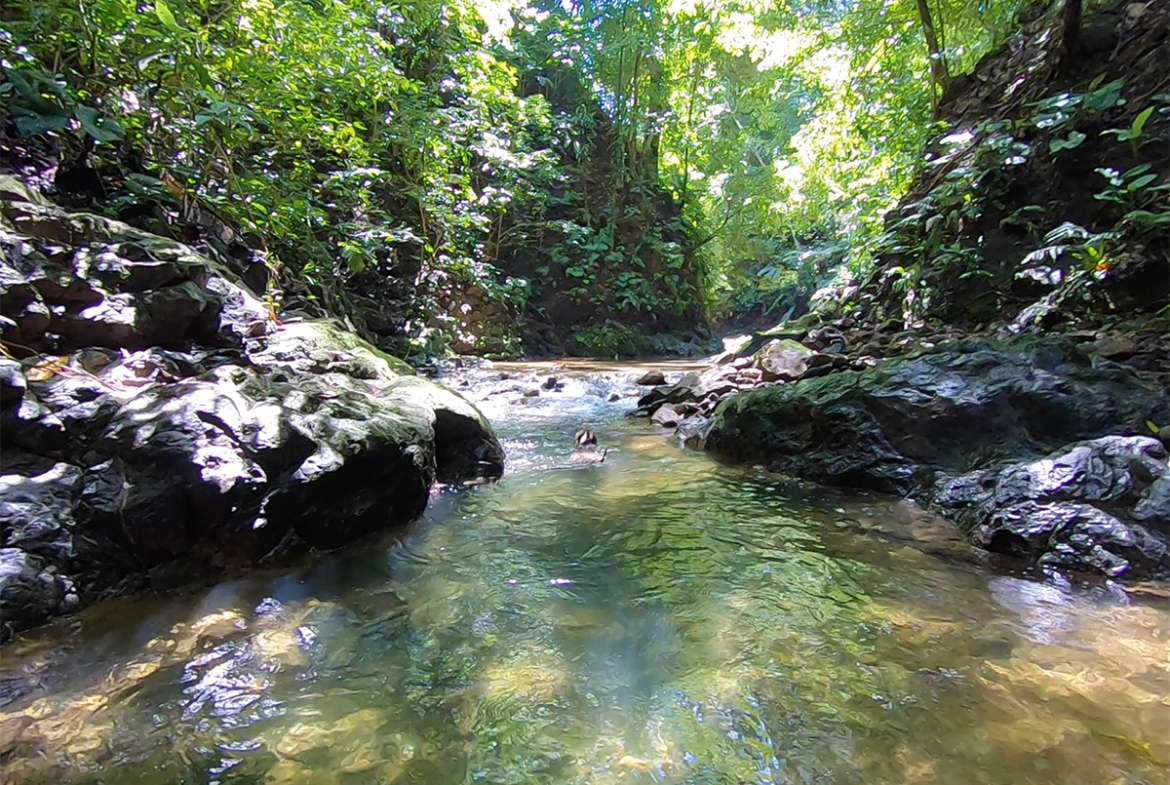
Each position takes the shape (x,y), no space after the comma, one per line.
(175,429)
(12,382)
(652,378)
(823,364)
(30,591)
(826,338)
(686,389)
(59,418)
(585,437)
(1097,506)
(71,280)
(952,409)
(1114,348)
(551,383)
(36,512)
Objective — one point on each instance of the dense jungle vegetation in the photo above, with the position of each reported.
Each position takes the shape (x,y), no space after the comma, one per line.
(587,176)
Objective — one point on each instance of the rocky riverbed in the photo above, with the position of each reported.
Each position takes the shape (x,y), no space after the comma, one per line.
(160,425)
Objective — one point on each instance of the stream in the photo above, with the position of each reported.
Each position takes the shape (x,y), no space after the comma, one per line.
(657,617)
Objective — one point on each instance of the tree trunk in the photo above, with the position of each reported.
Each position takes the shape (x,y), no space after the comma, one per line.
(939,76)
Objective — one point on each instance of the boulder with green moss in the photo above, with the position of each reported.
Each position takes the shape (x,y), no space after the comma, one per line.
(949,411)
(159,425)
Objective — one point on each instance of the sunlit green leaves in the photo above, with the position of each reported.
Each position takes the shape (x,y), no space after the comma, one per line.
(163,12)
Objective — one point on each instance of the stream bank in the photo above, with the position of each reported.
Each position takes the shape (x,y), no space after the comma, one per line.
(160,425)
(1039,448)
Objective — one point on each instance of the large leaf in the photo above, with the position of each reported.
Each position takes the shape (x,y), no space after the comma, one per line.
(1074,140)
(37,89)
(1139,122)
(29,123)
(96,125)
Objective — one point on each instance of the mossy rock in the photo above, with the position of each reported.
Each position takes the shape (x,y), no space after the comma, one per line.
(952,408)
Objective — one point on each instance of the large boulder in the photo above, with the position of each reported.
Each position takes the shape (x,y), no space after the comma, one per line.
(1098,506)
(953,409)
(168,426)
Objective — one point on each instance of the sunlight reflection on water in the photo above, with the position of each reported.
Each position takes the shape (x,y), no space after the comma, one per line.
(655,618)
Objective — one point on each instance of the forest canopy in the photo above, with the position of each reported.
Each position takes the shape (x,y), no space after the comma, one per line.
(454,174)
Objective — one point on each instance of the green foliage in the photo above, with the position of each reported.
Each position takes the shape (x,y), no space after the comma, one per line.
(40,104)
(615,163)
(348,138)
(610,339)
(1136,130)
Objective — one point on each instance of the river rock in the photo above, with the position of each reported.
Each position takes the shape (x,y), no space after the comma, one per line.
(173,428)
(783,360)
(953,409)
(682,391)
(692,431)
(652,378)
(1098,506)
(30,592)
(36,513)
(667,416)
(12,382)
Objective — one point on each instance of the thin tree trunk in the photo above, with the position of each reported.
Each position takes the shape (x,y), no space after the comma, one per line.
(939,76)
(687,132)
(633,155)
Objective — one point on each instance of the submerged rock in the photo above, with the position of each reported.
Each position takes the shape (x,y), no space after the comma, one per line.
(175,428)
(1098,506)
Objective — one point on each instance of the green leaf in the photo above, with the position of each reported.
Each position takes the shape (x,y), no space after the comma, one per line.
(163,12)
(204,75)
(30,123)
(37,89)
(93,123)
(1141,182)
(1139,122)
(143,183)
(1146,218)
(1074,140)
(1154,429)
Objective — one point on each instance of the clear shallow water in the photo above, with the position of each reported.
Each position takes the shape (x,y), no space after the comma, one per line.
(656,618)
